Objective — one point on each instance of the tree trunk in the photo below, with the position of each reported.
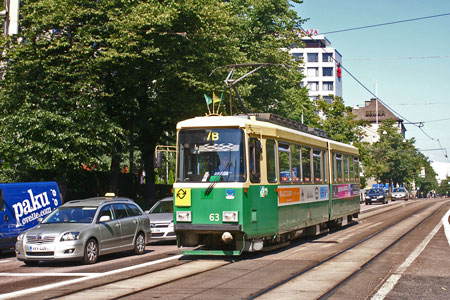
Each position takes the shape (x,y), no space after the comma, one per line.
(114,174)
(150,189)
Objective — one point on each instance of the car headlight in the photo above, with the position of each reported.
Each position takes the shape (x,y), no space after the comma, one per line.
(230,216)
(184,216)
(379,197)
(367,197)
(70,236)
(21,236)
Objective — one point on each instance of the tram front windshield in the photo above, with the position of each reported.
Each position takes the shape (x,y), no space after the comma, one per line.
(207,155)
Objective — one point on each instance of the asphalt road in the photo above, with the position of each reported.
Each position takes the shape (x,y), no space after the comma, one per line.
(397,251)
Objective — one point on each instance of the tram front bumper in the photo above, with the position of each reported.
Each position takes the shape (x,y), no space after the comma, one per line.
(205,228)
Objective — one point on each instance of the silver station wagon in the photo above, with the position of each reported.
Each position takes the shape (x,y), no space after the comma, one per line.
(84,230)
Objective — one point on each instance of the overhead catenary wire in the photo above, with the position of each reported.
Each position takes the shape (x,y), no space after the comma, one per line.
(417,124)
(387,23)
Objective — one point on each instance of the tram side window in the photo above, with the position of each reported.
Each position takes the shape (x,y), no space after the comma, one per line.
(295,160)
(339,167)
(324,166)
(306,164)
(345,167)
(317,162)
(271,153)
(352,168)
(356,164)
(333,166)
(284,161)
(255,159)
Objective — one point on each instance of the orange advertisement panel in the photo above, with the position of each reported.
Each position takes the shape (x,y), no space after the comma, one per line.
(288,195)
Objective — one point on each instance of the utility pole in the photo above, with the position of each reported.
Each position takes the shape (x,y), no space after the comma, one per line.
(11,16)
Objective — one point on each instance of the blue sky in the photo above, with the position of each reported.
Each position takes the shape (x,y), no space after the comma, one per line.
(396,57)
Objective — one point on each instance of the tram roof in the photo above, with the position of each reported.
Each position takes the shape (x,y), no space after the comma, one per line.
(244,121)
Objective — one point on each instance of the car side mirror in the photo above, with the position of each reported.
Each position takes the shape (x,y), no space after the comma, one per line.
(104,219)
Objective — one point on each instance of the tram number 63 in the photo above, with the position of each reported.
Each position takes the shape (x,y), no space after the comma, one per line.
(214,217)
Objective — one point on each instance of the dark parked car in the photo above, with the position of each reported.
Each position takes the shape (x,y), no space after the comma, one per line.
(86,229)
(376,195)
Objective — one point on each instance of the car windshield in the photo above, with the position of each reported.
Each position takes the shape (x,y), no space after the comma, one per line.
(72,214)
(373,191)
(399,190)
(162,207)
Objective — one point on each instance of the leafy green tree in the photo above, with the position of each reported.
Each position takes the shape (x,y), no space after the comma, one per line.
(427,183)
(85,80)
(392,158)
(339,121)
(444,187)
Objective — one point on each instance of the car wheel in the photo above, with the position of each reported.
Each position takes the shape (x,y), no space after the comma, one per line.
(31,262)
(139,244)
(90,252)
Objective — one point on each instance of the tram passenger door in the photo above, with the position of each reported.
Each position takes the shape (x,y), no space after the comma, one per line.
(255,205)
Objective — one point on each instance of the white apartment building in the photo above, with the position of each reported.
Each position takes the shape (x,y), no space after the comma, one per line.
(321,67)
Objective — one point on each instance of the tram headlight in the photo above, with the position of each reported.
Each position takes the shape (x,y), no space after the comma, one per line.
(230,216)
(184,216)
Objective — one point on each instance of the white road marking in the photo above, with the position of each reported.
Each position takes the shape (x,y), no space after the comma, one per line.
(445,220)
(4,261)
(390,283)
(48,274)
(74,281)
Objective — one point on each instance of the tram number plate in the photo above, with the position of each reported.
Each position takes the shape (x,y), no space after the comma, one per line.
(39,249)
(214,217)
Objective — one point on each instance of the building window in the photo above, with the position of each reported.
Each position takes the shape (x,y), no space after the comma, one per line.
(327,71)
(327,57)
(312,72)
(313,57)
(297,56)
(328,86)
(313,85)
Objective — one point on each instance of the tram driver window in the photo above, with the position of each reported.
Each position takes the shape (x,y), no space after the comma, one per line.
(271,154)
(284,159)
(255,151)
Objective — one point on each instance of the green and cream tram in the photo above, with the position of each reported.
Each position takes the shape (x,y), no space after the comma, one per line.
(247,182)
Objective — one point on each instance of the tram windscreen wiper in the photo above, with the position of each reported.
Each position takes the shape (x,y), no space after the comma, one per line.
(216,178)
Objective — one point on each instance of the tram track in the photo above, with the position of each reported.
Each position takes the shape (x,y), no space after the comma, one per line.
(268,293)
(132,287)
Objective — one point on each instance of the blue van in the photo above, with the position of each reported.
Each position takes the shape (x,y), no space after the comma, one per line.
(21,205)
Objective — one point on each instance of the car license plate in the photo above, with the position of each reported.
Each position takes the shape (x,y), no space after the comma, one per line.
(39,249)
(157,230)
